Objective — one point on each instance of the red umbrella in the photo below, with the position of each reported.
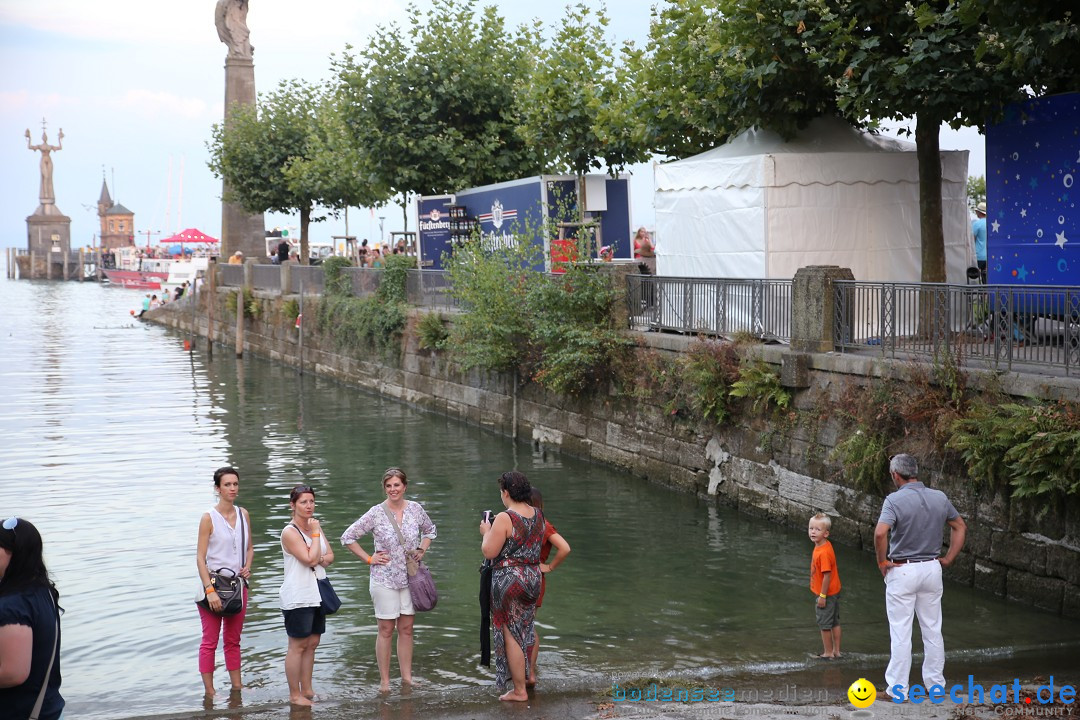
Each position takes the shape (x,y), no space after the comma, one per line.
(191,235)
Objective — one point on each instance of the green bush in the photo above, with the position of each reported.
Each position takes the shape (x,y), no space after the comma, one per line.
(759,384)
(290,309)
(431,331)
(393,286)
(335,281)
(250,306)
(359,325)
(1030,449)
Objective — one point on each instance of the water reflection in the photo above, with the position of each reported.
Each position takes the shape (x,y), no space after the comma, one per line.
(659,583)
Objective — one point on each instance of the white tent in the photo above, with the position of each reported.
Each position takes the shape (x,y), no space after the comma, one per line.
(760,207)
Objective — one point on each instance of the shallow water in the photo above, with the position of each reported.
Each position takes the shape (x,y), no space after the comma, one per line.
(112,433)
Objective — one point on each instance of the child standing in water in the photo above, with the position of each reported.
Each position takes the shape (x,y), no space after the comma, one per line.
(825,583)
(551,538)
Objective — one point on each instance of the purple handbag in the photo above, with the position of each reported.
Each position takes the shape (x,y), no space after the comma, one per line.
(421,584)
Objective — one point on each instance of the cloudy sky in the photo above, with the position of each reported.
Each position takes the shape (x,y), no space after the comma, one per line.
(136,86)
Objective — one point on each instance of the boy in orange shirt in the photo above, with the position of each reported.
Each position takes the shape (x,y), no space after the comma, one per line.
(825,583)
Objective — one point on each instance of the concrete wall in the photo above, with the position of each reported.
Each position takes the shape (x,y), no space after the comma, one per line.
(779,473)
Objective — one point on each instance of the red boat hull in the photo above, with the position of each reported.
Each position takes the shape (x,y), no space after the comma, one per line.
(137,279)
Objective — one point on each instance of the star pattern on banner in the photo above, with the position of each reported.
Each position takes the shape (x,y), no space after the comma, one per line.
(1061,240)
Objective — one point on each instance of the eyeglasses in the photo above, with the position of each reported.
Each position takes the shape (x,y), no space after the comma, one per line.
(10,524)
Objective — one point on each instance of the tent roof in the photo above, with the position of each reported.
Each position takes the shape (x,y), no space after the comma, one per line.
(191,235)
(822,135)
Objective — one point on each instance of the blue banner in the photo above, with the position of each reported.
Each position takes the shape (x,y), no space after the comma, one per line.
(433,222)
(1033,163)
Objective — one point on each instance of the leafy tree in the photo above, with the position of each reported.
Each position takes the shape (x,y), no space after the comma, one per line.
(572,101)
(434,105)
(273,156)
(976,190)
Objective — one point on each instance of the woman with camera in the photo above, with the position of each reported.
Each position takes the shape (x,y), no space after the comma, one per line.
(303,549)
(29,626)
(389,522)
(513,542)
(224,542)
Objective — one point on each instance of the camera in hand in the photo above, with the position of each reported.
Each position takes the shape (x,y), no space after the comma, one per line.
(487,516)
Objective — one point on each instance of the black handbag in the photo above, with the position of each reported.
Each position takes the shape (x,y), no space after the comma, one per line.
(230,587)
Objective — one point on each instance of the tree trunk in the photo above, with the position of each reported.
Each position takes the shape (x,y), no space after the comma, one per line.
(305,220)
(928,149)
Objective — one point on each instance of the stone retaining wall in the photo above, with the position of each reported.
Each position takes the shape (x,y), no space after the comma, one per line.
(783,475)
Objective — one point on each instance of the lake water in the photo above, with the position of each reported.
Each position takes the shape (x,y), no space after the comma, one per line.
(112,433)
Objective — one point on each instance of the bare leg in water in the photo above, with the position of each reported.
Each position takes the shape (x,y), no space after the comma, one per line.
(515,660)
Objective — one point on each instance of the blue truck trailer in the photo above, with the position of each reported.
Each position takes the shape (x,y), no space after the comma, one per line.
(533,208)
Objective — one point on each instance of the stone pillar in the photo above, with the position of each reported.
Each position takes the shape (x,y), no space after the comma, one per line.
(48,236)
(240,230)
(813,307)
(286,278)
(617,272)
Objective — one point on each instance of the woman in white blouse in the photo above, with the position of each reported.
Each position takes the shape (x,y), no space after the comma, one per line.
(389,584)
(307,555)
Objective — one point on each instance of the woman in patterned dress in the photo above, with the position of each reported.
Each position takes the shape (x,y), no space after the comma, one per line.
(513,542)
(389,583)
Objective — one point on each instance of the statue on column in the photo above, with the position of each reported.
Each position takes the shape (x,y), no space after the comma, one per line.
(231,19)
(47,196)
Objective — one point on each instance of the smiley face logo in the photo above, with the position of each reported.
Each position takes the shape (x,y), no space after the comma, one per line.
(862,693)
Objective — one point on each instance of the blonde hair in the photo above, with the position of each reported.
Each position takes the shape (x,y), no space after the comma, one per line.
(825,520)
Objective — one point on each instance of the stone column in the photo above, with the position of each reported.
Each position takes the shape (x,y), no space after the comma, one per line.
(240,230)
(813,307)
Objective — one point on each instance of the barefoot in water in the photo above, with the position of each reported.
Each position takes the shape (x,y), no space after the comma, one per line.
(384,687)
(300,701)
(514,696)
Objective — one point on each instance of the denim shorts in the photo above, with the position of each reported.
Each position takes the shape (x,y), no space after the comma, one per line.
(304,622)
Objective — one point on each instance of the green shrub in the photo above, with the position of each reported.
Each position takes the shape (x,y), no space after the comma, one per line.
(1030,449)
(359,325)
(251,307)
(759,384)
(709,370)
(335,281)
(431,331)
(393,286)
(290,309)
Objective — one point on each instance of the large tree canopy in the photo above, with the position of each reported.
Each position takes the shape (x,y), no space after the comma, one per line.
(572,103)
(277,157)
(435,108)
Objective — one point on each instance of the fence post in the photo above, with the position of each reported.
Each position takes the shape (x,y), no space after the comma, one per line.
(813,308)
(286,278)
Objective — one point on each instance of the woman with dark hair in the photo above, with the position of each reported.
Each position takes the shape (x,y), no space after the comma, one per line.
(224,542)
(389,523)
(307,555)
(29,626)
(513,541)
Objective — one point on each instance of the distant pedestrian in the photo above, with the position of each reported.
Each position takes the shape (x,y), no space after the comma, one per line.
(145,305)
(978,231)
(283,252)
(825,583)
(911,527)
(237,258)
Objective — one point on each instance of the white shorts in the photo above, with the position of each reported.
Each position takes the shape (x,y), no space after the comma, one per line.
(390,604)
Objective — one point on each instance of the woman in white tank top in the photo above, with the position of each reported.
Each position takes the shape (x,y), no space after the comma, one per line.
(224,542)
(306,556)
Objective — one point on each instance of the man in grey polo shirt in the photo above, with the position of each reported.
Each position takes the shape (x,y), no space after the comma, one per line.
(916,517)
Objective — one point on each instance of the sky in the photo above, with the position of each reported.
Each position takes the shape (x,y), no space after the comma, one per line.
(136,86)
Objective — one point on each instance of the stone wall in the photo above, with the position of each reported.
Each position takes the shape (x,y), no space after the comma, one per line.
(783,475)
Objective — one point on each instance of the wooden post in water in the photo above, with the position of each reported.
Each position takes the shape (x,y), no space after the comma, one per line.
(32,259)
(211,298)
(67,261)
(100,264)
(300,357)
(48,266)
(82,265)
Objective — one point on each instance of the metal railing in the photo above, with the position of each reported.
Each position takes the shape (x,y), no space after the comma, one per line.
(365,281)
(712,306)
(430,289)
(995,326)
